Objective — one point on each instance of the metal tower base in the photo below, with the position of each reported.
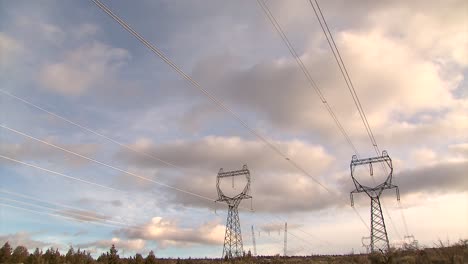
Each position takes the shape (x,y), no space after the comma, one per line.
(379,237)
(233,238)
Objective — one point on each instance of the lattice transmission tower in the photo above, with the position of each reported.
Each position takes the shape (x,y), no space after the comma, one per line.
(233,238)
(253,242)
(379,237)
(285,239)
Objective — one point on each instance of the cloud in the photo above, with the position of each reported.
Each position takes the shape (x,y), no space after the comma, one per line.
(166,232)
(86,30)
(273,178)
(446,177)
(460,149)
(86,216)
(212,152)
(44,30)
(23,239)
(278,92)
(120,244)
(394,90)
(31,151)
(9,48)
(100,203)
(277,227)
(83,68)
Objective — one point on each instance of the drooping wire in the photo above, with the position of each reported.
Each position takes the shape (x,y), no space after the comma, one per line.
(194,83)
(89,129)
(303,68)
(27,102)
(32,198)
(344,72)
(59,173)
(85,218)
(312,83)
(104,164)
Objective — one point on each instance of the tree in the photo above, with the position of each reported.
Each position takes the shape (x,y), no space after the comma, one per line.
(36,257)
(103,258)
(139,259)
(151,258)
(5,253)
(20,255)
(69,257)
(113,257)
(52,256)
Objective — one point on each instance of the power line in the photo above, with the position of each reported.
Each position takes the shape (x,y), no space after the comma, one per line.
(59,173)
(24,196)
(104,164)
(101,163)
(27,102)
(312,83)
(89,129)
(194,83)
(344,72)
(59,215)
(304,69)
(82,216)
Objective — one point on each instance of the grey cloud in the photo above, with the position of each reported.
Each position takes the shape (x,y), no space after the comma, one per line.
(440,178)
(273,178)
(277,227)
(31,150)
(211,152)
(447,177)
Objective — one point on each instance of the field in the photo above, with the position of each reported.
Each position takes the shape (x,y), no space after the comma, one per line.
(455,254)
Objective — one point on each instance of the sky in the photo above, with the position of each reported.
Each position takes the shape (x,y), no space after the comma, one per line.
(103,143)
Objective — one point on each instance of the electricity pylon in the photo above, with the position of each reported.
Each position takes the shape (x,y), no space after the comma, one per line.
(379,236)
(365,244)
(253,241)
(285,238)
(233,238)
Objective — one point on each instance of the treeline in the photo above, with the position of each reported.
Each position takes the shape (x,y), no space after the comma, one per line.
(53,256)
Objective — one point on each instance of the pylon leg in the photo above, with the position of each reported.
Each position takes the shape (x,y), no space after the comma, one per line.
(379,236)
(233,238)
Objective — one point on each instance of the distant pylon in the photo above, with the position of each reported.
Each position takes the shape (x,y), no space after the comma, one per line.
(233,238)
(410,242)
(253,241)
(366,245)
(285,238)
(379,236)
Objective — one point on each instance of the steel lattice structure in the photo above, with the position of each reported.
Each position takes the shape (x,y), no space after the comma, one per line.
(253,242)
(233,237)
(379,237)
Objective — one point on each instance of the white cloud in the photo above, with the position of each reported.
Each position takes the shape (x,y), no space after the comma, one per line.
(86,30)
(23,239)
(9,48)
(166,232)
(82,69)
(424,156)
